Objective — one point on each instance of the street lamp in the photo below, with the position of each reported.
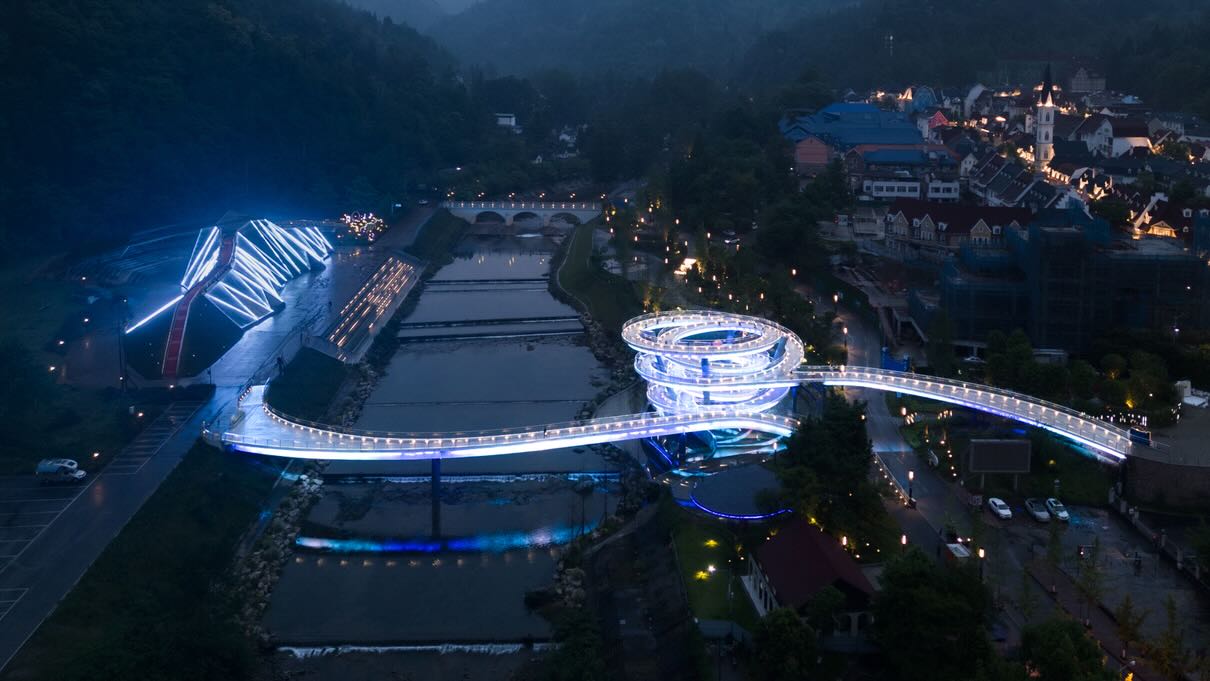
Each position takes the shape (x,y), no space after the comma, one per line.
(846,338)
(911,479)
(982,556)
(836,303)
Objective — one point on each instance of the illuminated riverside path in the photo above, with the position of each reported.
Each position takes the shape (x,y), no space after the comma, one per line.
(705,370)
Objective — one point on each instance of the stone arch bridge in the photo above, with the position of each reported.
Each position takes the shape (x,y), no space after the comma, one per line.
(577,212)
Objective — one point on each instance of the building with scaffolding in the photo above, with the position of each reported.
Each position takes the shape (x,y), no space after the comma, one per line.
(1066,279)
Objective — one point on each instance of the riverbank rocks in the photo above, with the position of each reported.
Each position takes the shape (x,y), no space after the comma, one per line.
(569,587)
(255,574)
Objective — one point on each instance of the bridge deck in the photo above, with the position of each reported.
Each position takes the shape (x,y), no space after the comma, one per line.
(256,428)
(706,370)
(1088,430)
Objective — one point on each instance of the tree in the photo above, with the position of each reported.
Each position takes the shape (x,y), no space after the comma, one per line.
(808,91)
(822,609)
(1091,579)
(1182,192)
(785,649)
(930,621)
(1167,653)
(1060,650)
(1114,365)
(1201,665)
(1114,211)
(579,655)
(825,472)
(1129,623)
(1176,150)
(26,383)
(1083,379)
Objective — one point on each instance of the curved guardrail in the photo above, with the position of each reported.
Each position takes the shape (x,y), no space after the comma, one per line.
(699,360)
(1065,421)
(706,370)
(262,430)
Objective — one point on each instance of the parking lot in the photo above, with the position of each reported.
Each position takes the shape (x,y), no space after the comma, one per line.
(28,506)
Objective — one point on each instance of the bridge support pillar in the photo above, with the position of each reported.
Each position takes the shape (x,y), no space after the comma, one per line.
(436,496)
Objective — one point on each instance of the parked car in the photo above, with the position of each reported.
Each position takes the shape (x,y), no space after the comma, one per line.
(999,508)
(1057,509)
(1037,510)
(59,470)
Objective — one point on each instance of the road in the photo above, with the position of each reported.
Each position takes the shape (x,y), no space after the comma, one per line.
(49,536)
(937,503)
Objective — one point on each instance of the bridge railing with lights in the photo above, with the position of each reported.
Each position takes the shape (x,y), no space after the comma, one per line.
(1084,428)
(262,429)
(763,361)
(523,205)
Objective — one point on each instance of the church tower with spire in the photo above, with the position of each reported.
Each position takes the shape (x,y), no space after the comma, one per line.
(1044,129)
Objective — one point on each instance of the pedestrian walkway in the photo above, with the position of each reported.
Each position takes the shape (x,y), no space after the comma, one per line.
(135,455)
(1101,625)
(57,532)
(49,536)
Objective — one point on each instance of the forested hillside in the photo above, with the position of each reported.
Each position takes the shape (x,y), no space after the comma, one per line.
(633,37)
(1155,49)
(419,14)
(123,115)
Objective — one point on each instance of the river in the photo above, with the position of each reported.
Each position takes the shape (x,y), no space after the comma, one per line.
(486,346)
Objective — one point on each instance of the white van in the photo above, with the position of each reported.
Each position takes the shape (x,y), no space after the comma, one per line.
(59,470)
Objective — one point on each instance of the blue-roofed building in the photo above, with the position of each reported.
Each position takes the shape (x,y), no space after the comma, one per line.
(898,157)
(839,127)
(888,173)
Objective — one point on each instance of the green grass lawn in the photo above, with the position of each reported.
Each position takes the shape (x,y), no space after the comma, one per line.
(1082,480)
(914,404)
(701,543)
(36,315)
(307,386)
(152,606)
(44,418)
(610,299)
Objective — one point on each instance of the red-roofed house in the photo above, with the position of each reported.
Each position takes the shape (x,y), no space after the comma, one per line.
(935,230)
(1167,219)
(796,564)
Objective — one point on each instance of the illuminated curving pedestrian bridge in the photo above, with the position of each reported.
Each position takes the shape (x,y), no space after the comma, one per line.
(705,371)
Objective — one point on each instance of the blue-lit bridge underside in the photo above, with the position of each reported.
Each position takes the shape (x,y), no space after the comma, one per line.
(705,370)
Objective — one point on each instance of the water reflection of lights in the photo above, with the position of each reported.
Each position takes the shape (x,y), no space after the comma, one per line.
(500,542)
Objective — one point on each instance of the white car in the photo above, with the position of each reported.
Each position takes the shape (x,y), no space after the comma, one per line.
(1056,509)
(1037,510)
(999,508)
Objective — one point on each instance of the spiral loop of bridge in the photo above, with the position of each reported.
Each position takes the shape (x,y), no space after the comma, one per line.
(706,360)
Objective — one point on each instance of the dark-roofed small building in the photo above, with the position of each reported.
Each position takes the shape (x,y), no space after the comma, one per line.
(796,564)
